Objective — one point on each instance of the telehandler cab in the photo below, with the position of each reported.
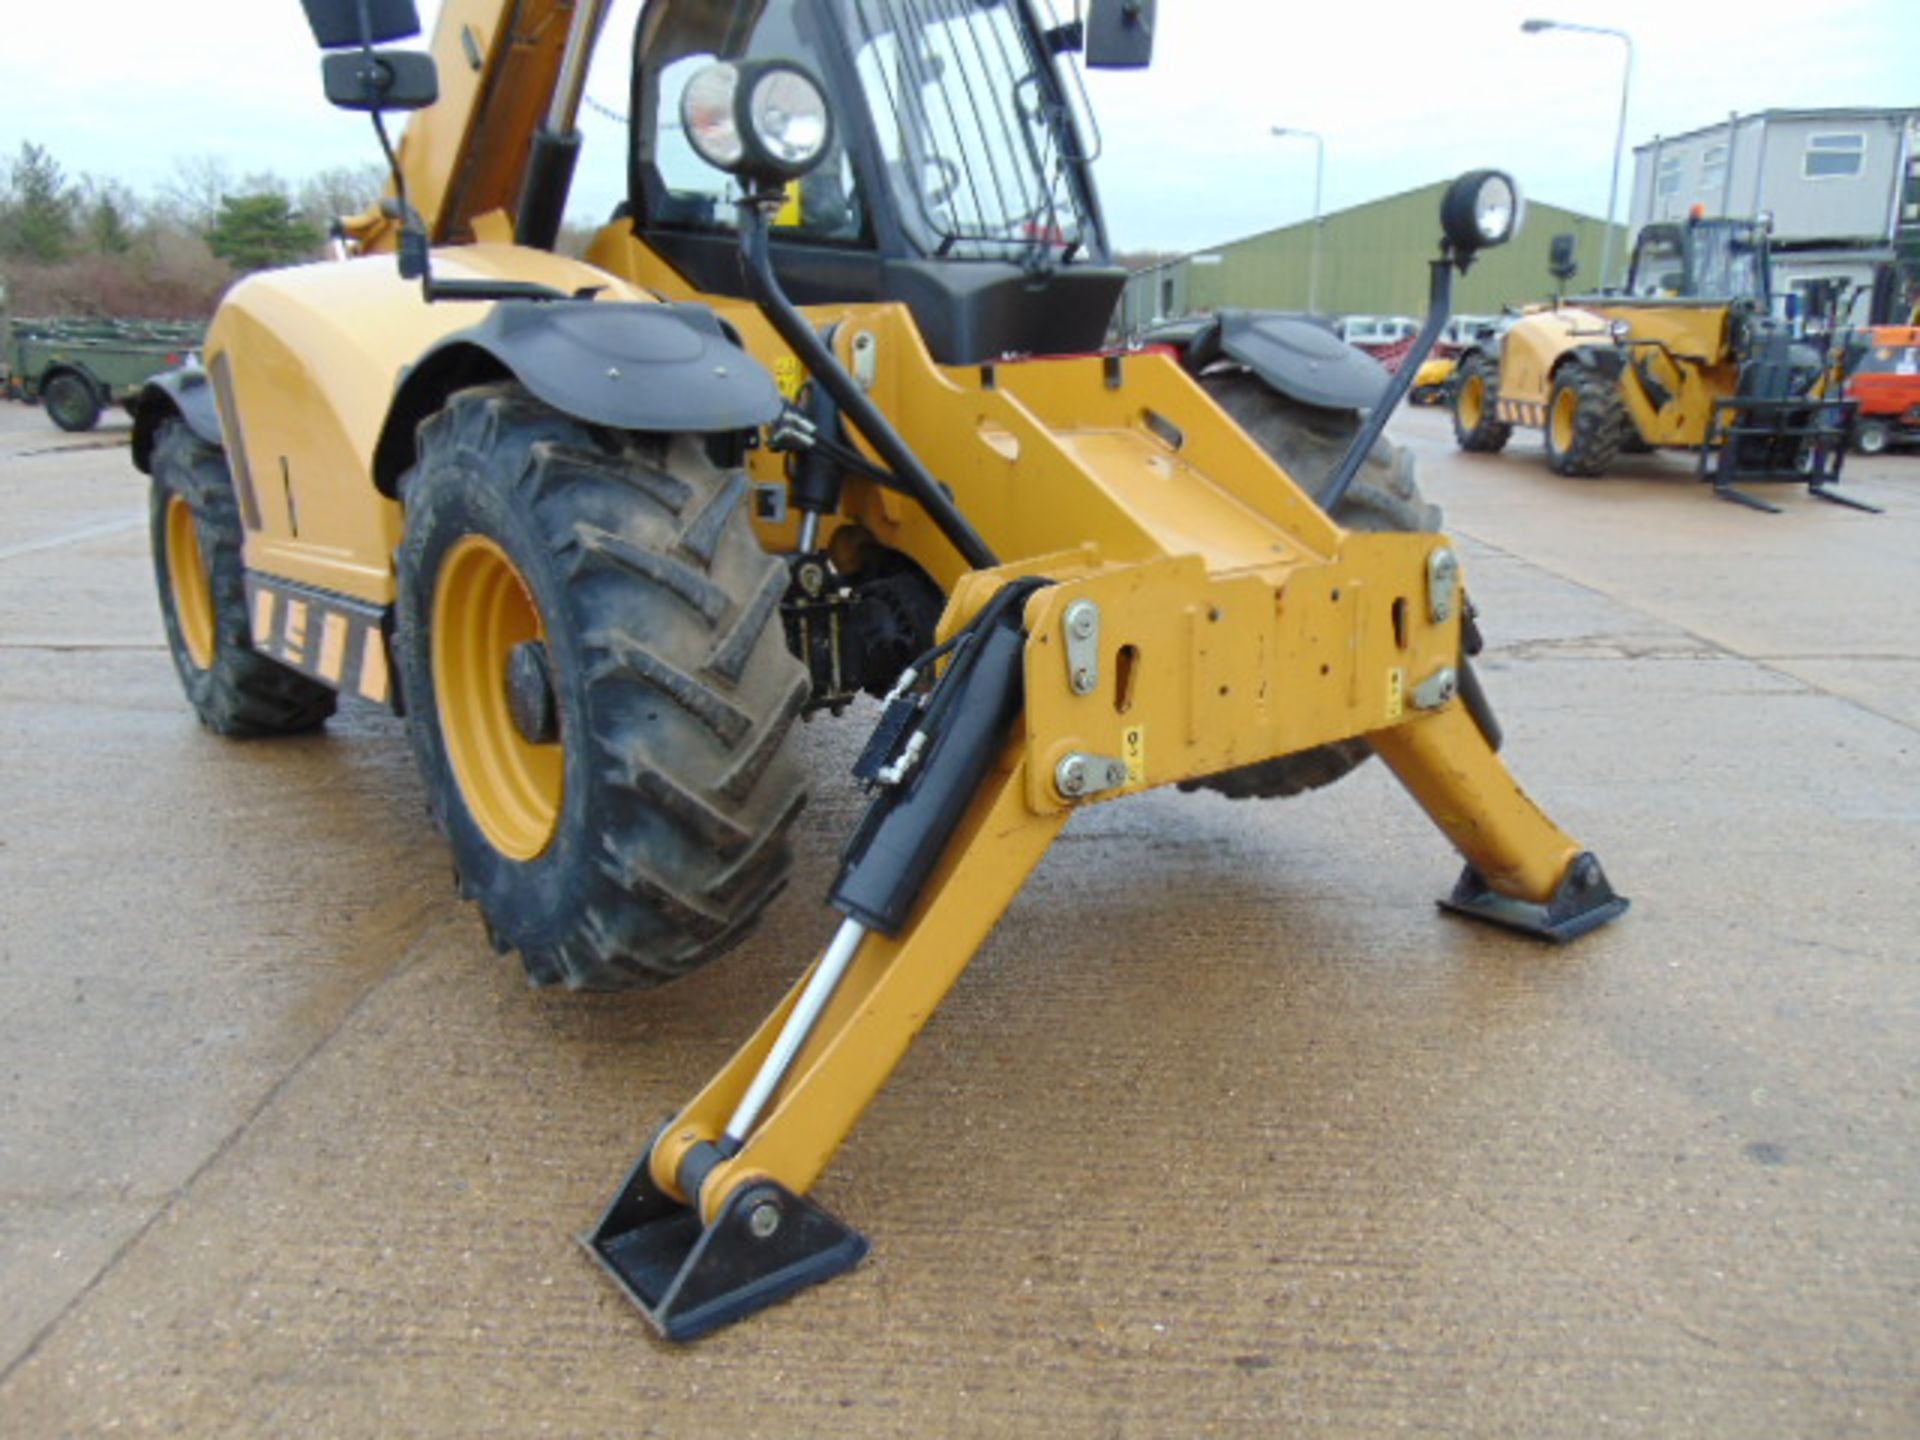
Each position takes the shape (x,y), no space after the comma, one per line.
(1689,357)
(824,412)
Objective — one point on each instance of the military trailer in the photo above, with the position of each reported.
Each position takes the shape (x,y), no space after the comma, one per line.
(78,367)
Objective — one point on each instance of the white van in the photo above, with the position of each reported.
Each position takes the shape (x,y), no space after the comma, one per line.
(1376,330)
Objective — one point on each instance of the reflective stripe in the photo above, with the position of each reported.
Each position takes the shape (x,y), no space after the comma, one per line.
(335,639)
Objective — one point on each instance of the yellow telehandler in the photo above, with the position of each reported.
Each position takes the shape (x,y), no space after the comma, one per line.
(824,412)
(1689,357)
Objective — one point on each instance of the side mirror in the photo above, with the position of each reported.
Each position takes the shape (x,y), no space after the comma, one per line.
(1119,34)
(337,24)
(380,80)
(1562,259)
(371,80)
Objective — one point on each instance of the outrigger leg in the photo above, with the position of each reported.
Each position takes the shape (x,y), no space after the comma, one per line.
(710,1226)
(973,781)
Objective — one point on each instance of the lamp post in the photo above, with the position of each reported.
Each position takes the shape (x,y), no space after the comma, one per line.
(1319,173)
(1534,27)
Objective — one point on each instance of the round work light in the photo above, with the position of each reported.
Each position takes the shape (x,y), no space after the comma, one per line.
(707,113)
(1482,208)
(764,120)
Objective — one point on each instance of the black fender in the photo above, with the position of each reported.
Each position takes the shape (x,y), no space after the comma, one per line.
(185,393)
(668,368)
(1608,360)
(1295,354)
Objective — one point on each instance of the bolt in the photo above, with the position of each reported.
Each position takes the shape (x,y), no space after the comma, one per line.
(1073,776)
(613,372)
(763,1220)
(1082,681)
(1082,620)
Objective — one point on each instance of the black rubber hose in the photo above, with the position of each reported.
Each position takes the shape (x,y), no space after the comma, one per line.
(861,412)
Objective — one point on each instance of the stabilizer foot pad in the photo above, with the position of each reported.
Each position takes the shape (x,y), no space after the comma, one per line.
(689,1279)
(1584,901)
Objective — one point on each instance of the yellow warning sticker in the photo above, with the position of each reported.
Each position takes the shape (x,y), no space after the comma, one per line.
(1396,693)
(1134,744)
(789,213)
(787,374)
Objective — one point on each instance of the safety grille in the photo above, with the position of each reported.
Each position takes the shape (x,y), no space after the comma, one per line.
(977,142)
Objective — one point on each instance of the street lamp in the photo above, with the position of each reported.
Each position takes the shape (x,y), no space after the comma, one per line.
(1534,27)
(1319,172)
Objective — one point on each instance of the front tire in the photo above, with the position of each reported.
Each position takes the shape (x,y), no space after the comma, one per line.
(72,402)
(196,535)
(1585,421)
(1871,437)
(1476,394)
(600,696)
(1308,443)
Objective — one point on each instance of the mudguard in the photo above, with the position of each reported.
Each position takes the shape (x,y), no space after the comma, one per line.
(1299,357)
(625,366)
(183,392)
(1608,360)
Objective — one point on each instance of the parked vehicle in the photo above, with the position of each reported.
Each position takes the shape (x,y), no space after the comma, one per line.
(611,526)
(1886,384)
(1462,330)
(1431,380)
(1690,358)
(1372,332)
(78,367)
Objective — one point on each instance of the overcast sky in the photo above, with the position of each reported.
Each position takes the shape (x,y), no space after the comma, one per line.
(1405,91)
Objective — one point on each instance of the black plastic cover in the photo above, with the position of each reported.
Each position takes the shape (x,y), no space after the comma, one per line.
(1303,360)
(663,368)
(184,392)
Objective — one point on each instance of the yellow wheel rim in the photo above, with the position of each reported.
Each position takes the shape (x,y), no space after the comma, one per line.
(1566,405)
(187,577)
(1472,402)
(482,609)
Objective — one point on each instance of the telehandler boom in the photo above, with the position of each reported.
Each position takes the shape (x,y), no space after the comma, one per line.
(825,412)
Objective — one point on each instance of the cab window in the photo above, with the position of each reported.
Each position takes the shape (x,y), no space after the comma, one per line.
(1660,267)
(679,190)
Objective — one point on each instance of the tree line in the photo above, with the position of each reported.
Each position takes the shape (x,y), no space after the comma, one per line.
(91,245)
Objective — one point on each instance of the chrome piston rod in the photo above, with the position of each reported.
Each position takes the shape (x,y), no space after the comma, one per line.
(800,1024)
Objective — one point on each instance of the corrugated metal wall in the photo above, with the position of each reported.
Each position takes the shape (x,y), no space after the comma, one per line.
(1373,262)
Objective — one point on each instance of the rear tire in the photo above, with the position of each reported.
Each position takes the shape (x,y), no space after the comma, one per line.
(72,401)
(599,689)
(1585,421)
(1308,443)
(233,688)
(1476,394)
(1871,437)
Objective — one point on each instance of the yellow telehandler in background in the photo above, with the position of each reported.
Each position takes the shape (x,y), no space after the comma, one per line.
(824,412)
(1689,358)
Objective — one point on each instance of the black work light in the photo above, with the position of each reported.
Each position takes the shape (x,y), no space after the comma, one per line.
(1482,208)
(764,120)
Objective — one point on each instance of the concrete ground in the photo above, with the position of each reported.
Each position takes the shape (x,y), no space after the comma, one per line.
(1226,1131)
